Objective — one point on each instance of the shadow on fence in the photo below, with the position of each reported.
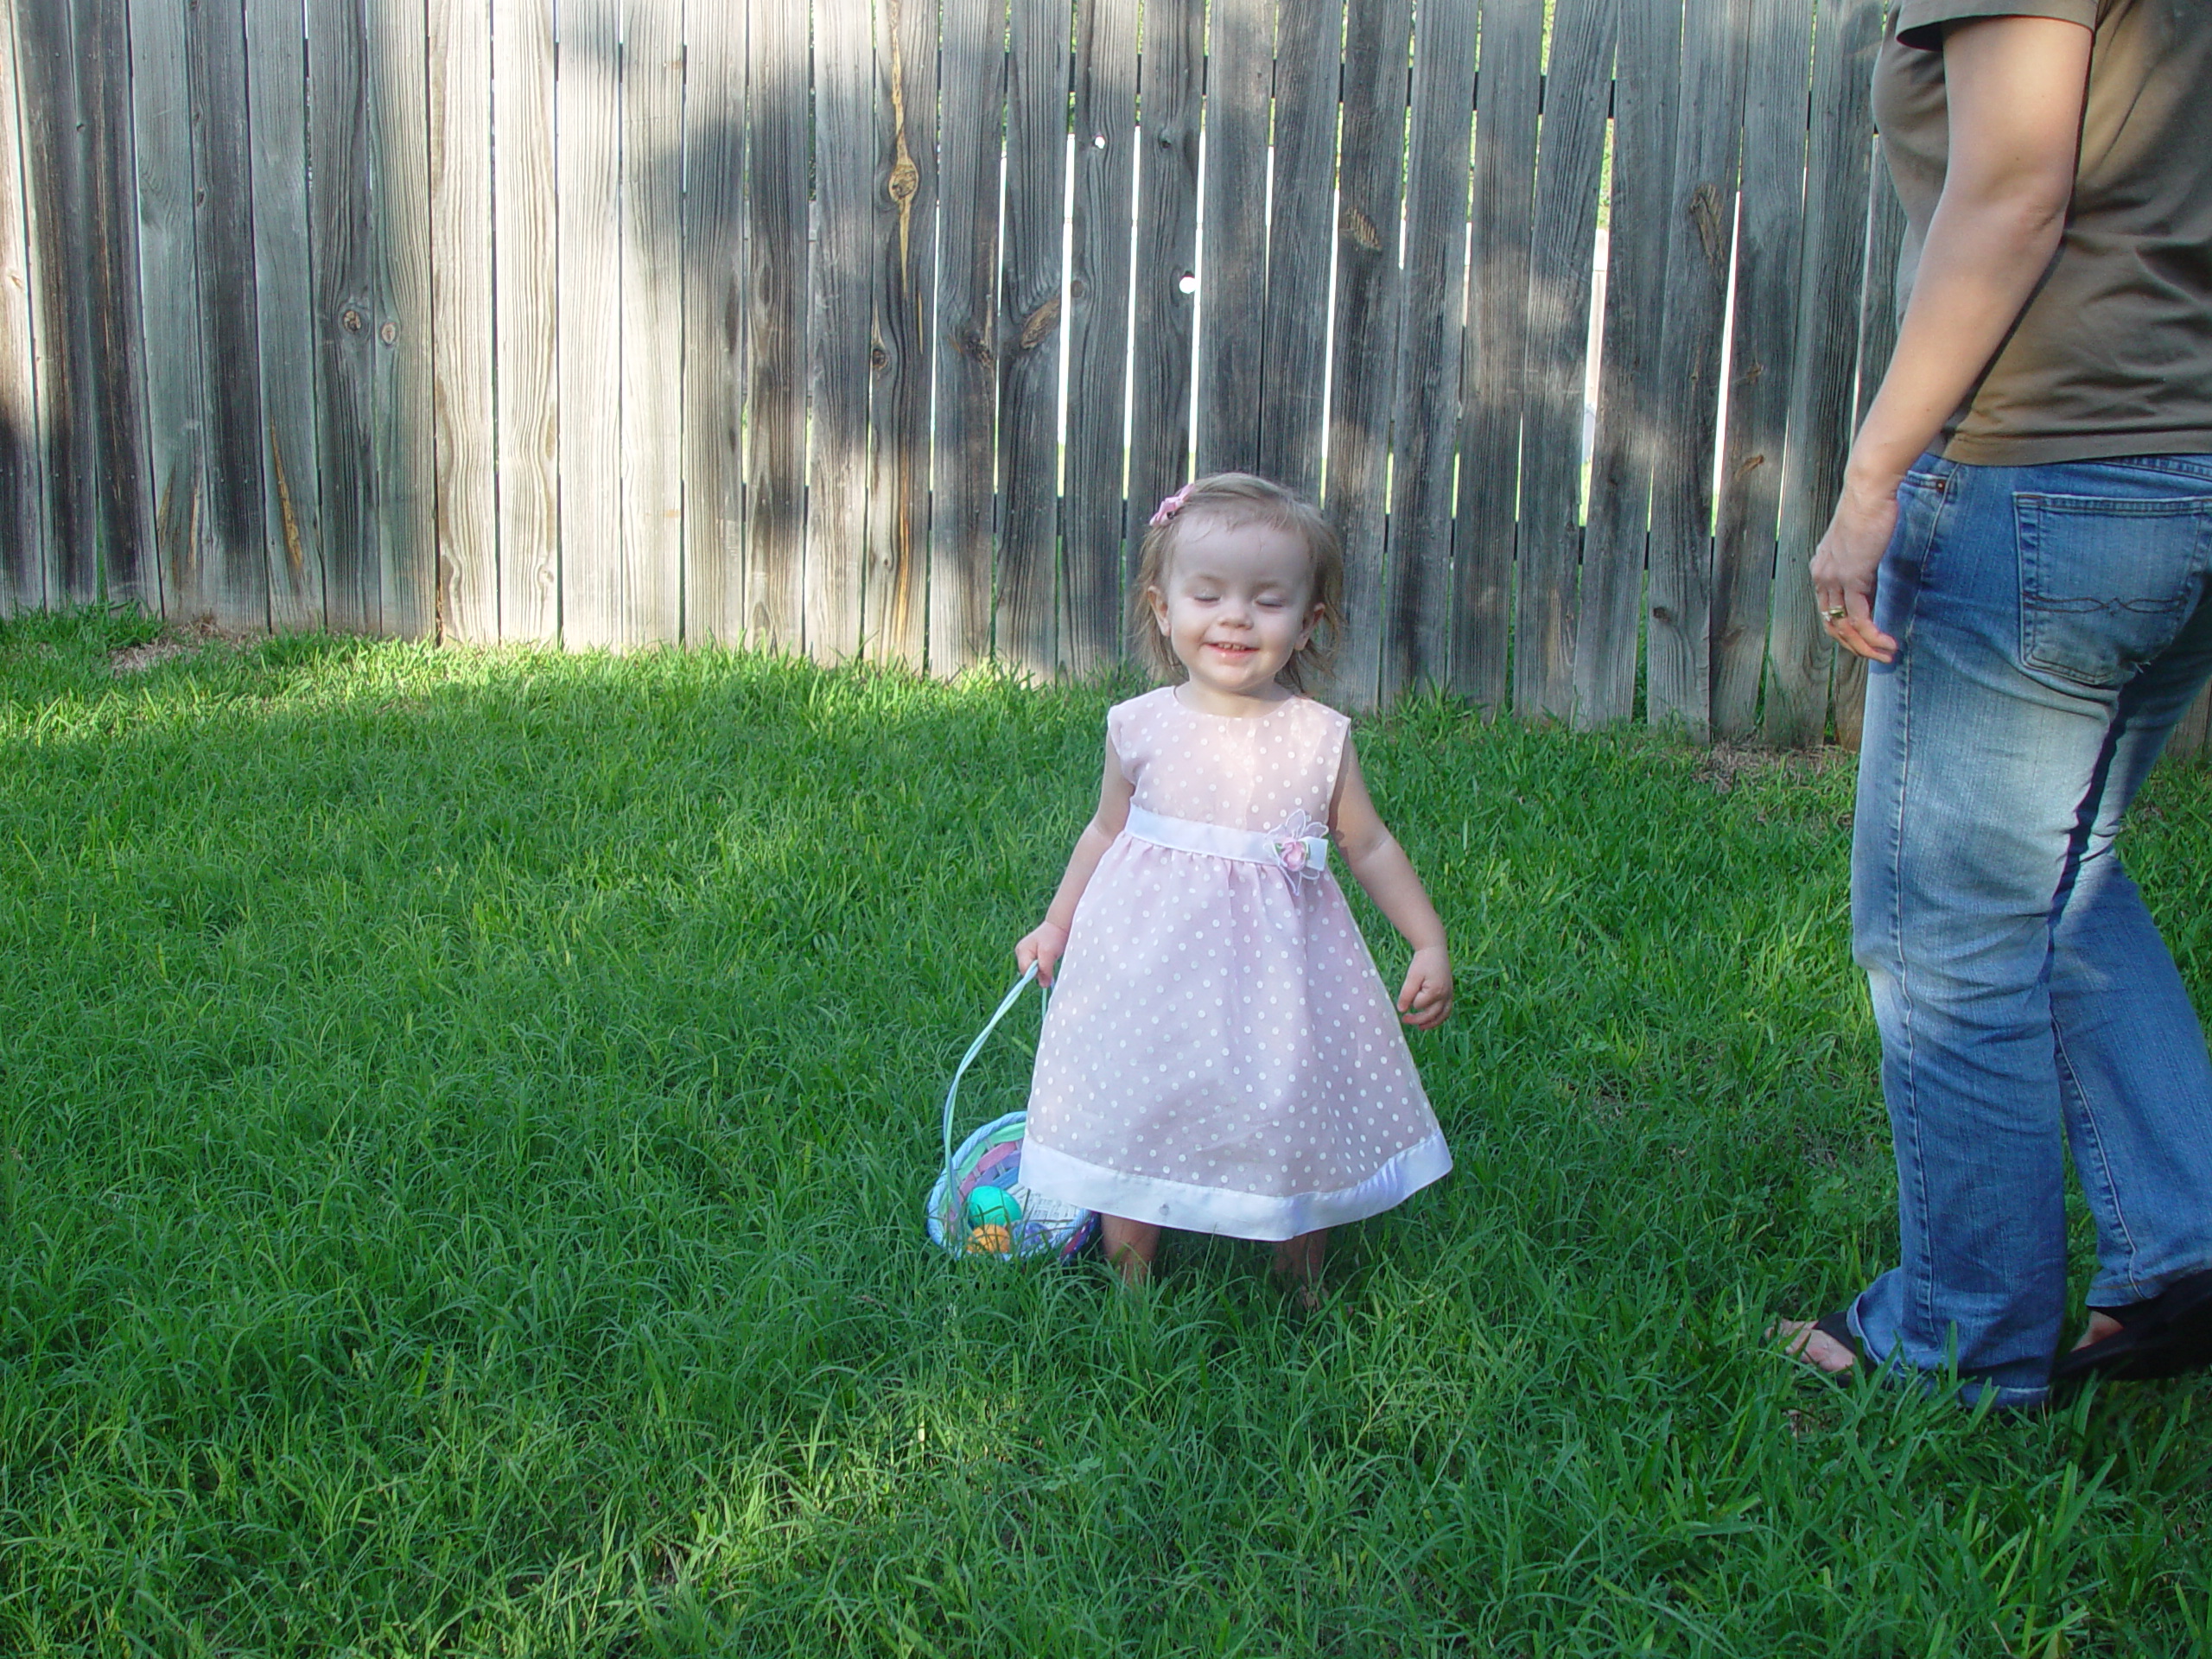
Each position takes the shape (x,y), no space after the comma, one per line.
(875,331)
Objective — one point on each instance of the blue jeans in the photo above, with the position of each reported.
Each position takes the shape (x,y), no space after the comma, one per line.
(2052,624)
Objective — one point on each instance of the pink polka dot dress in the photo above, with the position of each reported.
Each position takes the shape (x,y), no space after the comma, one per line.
(1220,1055)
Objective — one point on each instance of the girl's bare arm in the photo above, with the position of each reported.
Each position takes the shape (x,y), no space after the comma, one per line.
(1374,857)
(1042,944)
(2015,87)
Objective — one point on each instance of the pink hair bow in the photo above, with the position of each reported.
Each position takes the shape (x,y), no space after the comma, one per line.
(1169,507)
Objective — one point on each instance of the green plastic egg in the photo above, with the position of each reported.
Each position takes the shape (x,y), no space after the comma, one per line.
(992,1206)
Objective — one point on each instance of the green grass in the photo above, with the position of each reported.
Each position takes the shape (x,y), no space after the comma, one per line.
(464,1119)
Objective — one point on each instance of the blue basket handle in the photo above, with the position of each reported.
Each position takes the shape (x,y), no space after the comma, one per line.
(953,1094)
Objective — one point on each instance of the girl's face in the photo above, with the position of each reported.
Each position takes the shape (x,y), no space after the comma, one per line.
(1239,601)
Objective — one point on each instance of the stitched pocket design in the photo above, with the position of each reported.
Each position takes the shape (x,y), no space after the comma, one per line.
(2106,584)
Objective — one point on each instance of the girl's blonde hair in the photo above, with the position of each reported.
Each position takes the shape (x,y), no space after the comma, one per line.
(1234,499)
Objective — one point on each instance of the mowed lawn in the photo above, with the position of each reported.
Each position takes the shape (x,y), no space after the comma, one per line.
(464,1121)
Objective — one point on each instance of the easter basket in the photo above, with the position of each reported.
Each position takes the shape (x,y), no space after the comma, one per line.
(979,1206)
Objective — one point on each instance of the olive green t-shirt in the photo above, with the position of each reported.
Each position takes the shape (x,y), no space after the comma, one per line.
(2112,355)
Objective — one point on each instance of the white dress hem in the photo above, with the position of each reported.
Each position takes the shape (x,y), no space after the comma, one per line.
(1193,1209)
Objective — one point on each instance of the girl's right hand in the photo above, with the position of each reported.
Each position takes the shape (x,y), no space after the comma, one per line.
(1042,945)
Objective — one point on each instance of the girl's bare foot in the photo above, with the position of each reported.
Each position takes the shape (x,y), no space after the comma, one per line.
(1131,1246)
(1297,1268)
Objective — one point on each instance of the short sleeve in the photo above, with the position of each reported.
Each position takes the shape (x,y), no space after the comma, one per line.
(1125,737)
(1333,743)
(1921,23)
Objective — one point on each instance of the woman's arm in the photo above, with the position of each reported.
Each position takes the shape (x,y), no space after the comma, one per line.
(1374,857)
(2014,87)
(1042,944)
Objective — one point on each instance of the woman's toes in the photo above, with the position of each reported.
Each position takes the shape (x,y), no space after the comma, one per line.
(2100,1326)
(1803,1339)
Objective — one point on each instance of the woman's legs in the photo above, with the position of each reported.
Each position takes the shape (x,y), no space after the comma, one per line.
(2053,626)
(2133,1075)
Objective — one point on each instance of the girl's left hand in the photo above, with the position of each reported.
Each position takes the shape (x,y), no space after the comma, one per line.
(1425,1001)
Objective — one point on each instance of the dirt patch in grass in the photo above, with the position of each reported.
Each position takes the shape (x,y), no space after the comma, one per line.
(181,640)
(1726,763)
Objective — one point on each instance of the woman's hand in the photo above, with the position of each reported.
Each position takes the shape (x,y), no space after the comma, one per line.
(2013,87)
(1042,945)
(1844,565)
(1425,1001)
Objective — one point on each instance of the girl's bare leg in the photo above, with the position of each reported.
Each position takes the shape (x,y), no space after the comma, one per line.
(1129,1246)
(1297,1265)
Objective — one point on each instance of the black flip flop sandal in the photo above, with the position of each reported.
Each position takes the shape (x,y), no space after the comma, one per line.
(2166,1335)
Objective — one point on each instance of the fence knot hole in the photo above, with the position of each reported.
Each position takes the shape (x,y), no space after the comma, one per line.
(1359,227)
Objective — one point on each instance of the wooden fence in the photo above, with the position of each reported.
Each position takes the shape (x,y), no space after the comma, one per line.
(877,329)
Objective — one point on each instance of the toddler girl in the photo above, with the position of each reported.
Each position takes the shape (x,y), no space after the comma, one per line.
(1220,1055)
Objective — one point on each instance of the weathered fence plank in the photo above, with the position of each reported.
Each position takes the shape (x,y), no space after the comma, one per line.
(1425,421)
(1495,358)
(464,323)
(776,262)
(72,57)
(842,319)
(1294,374)
(169,305)
(2190,732)
(2186,740)
(115,564)
(1097,337)
(1799,651)
(235,567)
(1170,76)
(22,491)
(1570,158)
(1759,406)
(342,218)
(283,290)
(962,515)
(1679,672)
(525,380)
(1625,450)
(652,324)
(906,233)
(588,142)
(714,332)
(1029,334)
(53,248)
(1233,246)
(1369,179)
(401,443)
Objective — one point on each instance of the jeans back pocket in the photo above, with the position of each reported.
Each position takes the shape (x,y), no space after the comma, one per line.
(2106,582)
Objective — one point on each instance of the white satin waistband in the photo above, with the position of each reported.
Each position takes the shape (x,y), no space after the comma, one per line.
(1299,847)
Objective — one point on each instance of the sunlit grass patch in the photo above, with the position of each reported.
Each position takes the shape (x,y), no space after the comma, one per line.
(464,1118)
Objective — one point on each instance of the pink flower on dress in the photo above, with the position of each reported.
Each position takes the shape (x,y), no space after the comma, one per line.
(1300,845)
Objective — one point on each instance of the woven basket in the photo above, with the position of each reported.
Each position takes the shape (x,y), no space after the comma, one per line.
(992,1157)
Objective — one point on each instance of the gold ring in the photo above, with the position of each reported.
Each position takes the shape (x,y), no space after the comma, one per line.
(1835,612)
